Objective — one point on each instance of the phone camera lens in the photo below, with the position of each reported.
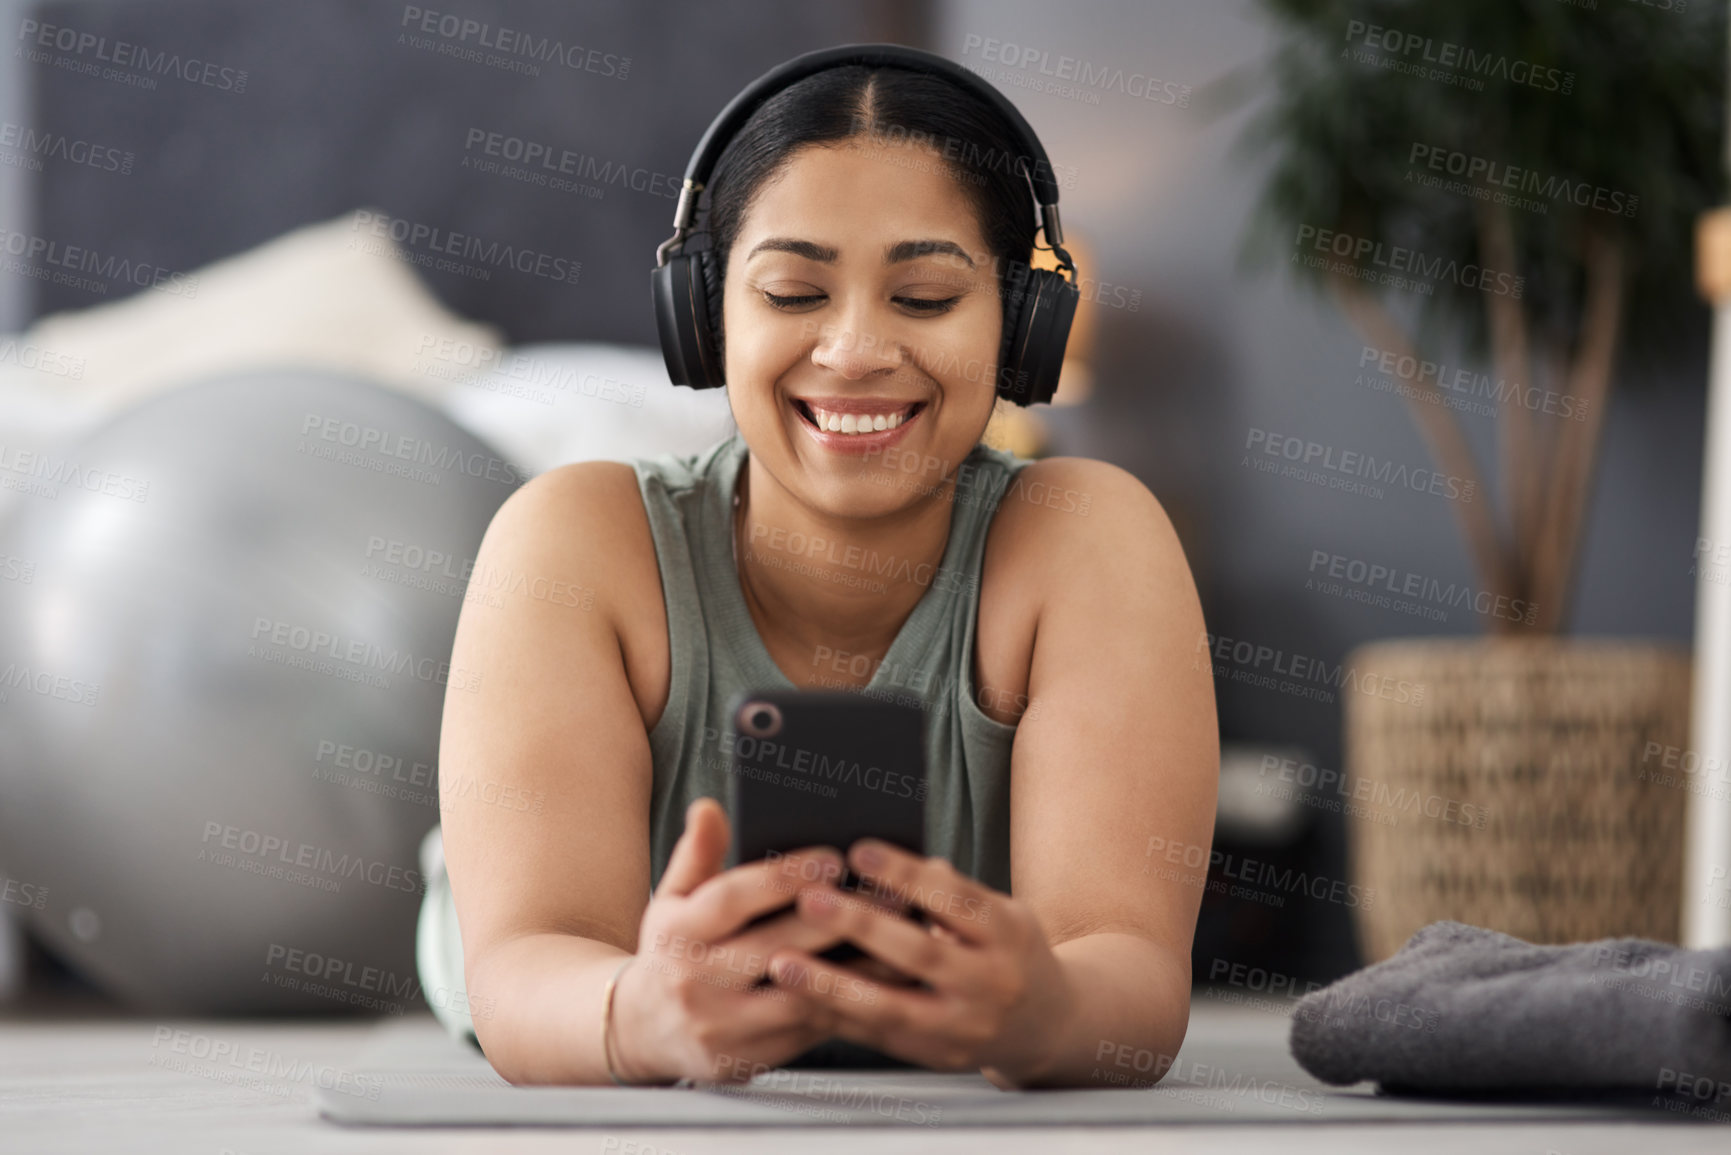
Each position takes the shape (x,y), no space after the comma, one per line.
(760,719)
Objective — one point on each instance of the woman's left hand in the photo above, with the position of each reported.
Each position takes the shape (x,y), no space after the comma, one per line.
(995,998)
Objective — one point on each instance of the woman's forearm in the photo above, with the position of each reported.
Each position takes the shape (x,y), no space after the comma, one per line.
(1130,998)
(543,994)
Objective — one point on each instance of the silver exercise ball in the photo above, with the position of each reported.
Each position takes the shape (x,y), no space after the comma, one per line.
(226,619)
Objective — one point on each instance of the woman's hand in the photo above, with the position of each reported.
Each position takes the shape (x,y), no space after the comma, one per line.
(689,1005)
(995,997)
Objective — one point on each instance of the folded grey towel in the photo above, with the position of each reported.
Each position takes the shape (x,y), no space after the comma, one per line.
(1462,1009)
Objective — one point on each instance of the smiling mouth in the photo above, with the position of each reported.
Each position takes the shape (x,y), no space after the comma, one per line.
(836,421)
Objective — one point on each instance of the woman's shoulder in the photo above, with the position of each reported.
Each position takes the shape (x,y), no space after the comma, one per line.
(603,502)
(1099,498)
(1058,515)
(593,513)
(1063,527)
(587,516)
(571,502)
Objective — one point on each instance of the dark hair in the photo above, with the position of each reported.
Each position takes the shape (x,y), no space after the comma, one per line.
(891,105)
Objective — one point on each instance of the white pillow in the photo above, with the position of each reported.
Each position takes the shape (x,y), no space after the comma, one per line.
(549,404)
(331,295)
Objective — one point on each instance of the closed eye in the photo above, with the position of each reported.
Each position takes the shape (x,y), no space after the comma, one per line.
(927,305)
(792,302)
(924,305)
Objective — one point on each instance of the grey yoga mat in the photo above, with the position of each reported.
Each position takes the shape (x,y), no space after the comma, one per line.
(1232,1070)
(1464,1010)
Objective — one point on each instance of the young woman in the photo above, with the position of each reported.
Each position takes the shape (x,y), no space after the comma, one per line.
(1042,611)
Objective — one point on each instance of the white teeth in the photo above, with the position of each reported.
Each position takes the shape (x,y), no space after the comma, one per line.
(836,422)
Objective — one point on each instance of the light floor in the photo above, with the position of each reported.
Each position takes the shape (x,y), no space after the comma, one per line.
(76,1081)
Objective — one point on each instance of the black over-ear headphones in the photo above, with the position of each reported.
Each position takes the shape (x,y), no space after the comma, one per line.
(1039,303)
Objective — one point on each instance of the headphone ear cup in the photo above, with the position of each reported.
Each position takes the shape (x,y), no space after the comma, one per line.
(710,270)
(1043,307)
(1054,309)
(1011,383)
(681,320)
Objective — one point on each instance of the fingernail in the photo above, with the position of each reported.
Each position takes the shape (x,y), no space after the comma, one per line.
(869,855)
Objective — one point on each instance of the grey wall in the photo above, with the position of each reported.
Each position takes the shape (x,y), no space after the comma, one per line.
(15,183)
(322,106)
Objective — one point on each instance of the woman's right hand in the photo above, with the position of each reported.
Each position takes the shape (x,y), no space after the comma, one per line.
(688,1005)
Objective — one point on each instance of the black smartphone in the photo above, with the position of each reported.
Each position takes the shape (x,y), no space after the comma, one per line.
(824,768)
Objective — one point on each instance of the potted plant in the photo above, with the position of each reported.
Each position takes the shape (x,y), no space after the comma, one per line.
(1500,196)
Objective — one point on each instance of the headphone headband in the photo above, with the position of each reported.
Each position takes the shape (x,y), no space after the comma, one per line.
(733,117)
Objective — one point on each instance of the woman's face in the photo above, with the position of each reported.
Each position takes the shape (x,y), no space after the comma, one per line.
(859,284)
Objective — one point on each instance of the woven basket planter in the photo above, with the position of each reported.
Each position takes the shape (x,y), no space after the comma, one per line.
(1517,790)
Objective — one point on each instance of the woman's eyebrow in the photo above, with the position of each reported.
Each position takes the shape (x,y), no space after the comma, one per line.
(910,250)
(807,249)
(825,254)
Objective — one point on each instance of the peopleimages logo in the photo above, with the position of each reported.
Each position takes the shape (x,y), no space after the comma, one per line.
(1449,62)
(386,443)
(28,355)
(1258,664)
(1376,580)
(1356,251)
(1352,463)
(548,164)
(463,38)
(36,143)
(45,474)
(273,639)
(436,240)
(972,156)
(88,53)
(1455,380)
(744,749)
(1481,172)
(1361,797)
(44,258)
(268,853)
(1088,78)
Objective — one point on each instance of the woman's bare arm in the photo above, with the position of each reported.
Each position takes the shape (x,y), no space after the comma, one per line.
(545,783)
(544,773)
(1123,754)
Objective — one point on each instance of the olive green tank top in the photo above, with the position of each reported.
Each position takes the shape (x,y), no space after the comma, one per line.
(717,651)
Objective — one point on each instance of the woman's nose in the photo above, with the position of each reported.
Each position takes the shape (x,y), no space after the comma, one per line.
(855,349)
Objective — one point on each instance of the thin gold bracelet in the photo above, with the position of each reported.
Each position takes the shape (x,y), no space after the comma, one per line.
(607,1021)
